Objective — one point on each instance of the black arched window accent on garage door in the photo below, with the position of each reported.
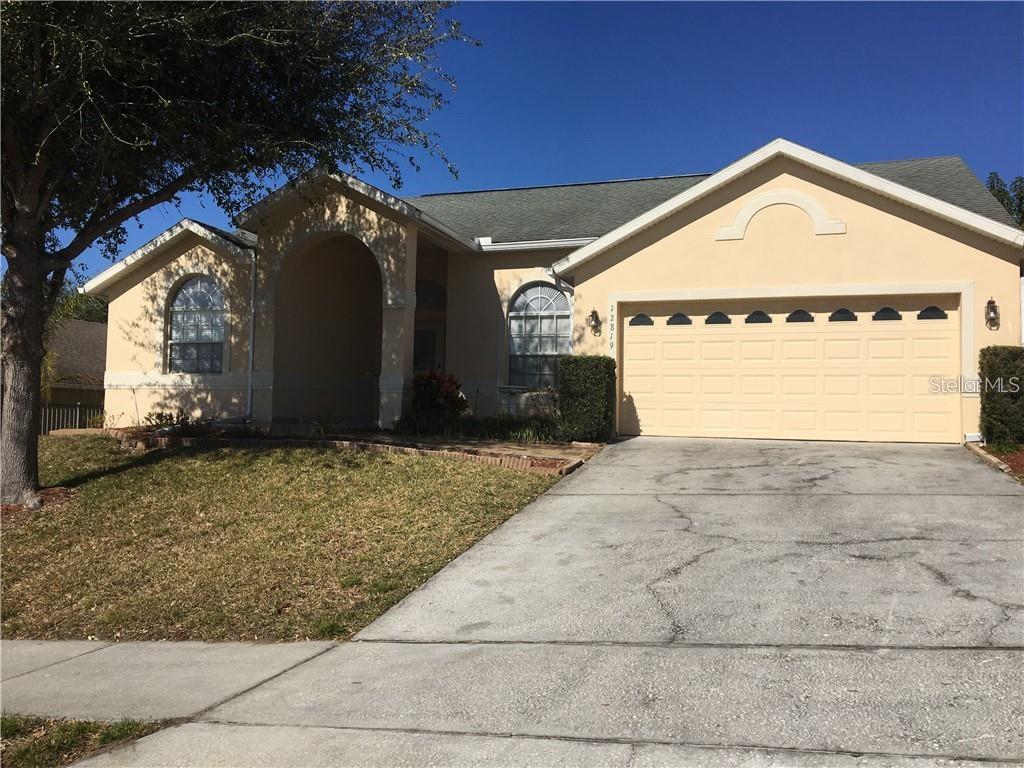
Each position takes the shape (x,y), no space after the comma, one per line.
(758,316)
(800,316)
(717,318)
(887,313)
(641,319)
(679,319)
(842,315)
(932,313)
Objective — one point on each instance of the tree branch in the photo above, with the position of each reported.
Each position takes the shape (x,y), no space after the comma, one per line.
(96,227)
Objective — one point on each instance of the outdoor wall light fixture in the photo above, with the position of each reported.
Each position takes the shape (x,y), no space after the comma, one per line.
(991,313)
(594,322)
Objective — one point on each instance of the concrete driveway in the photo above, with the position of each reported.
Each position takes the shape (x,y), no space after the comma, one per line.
(686,602)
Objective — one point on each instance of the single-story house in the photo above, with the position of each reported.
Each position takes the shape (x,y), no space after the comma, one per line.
(788,295)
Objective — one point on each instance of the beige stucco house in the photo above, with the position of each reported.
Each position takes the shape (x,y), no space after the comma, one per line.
(789,295)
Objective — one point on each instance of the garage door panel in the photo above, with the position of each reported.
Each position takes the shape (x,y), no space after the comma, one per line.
(717,350)
(677,384)
(892,384)
(822,379)
(757,349)
(679,350)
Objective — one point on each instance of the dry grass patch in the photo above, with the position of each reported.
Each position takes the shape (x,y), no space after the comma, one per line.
(36,742)
(240,543)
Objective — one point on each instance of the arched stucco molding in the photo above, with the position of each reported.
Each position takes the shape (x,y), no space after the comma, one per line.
(823,225)
(393,295)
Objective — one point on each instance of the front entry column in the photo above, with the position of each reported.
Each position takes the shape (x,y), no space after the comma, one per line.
(395,362)
(396,344)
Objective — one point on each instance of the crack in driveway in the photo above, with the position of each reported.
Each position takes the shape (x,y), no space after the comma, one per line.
(1004,608)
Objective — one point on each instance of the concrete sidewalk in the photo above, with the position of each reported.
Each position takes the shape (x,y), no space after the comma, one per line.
(386,703)
(141,681)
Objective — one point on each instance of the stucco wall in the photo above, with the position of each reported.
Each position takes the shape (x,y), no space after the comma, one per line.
(885,244)
(136,382)
(480,286)
(294,225)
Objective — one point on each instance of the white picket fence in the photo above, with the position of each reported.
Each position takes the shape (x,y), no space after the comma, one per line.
(75,416)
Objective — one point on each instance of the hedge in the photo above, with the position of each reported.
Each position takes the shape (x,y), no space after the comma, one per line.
(503,426)
(586,397)
(1002,407)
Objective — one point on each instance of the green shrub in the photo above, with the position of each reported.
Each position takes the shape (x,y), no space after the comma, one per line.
(504,426)
(1002,401)
(586,397)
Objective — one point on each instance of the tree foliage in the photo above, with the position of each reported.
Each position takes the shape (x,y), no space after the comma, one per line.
(109,109)
(1011,197)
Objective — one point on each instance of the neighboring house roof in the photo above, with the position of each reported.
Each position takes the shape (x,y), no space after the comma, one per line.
(595,208)
(79,351)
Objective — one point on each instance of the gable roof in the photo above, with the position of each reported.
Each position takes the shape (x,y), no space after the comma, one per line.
(394,204)
(872,181)
(592,216)
(234,245)
(592,209)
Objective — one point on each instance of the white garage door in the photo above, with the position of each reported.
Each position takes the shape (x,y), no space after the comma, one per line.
(826,369)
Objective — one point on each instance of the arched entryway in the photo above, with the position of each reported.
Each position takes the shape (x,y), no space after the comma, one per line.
(328,315)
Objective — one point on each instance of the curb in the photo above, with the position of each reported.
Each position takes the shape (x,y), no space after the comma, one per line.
(1002,466)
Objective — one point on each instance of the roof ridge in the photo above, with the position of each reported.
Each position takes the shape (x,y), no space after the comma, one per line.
(559,186)
(912,160)
(652,178)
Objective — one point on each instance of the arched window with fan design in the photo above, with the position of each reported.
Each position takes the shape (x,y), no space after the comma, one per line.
(196,323)
(540,329)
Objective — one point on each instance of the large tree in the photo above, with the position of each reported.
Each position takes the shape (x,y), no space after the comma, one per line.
(1011,197)
(109,109)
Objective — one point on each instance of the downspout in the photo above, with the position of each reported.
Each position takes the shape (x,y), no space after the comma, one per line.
(252,241)
(252,334)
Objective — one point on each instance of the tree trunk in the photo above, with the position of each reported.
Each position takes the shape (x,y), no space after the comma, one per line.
(22,362)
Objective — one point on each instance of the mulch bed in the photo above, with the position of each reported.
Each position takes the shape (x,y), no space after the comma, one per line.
(52,498)
(1014,461)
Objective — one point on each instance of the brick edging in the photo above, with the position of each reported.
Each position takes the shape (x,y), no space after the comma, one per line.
(481,457)
(989,458)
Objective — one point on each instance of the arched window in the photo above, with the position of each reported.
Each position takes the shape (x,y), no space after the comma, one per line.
(800,316)
(887,313)
(540,329)
(679,318)
(758,316)
(717,318)
(196,335)
(641,319)
(842,315)
(932,313)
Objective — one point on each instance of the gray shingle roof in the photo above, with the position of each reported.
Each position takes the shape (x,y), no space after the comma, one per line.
(592,209)
(80,353)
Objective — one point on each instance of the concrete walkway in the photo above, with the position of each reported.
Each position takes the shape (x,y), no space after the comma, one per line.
(675,602)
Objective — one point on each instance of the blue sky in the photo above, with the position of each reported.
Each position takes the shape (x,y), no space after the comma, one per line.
(565,92)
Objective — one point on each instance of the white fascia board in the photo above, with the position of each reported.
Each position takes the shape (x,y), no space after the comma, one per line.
(392,203)
(158,245)
(401,207)
(823,163)
(537,245)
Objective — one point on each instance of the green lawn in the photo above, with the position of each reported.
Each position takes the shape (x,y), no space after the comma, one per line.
(35,742)
(239,543)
